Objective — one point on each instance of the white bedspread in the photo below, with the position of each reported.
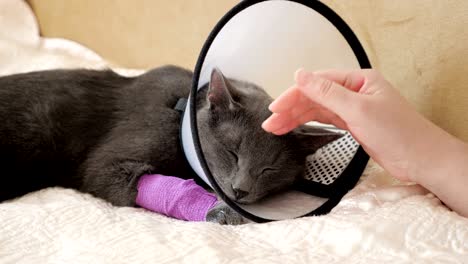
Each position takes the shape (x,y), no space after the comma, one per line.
(380,221)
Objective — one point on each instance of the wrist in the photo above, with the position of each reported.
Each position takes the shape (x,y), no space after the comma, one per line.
(436,155)
(446,175)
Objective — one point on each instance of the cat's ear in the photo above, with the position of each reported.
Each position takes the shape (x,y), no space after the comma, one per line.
(312,138)
(219,96)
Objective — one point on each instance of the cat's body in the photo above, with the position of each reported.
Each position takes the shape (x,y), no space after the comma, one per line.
(94,131)
(98,132)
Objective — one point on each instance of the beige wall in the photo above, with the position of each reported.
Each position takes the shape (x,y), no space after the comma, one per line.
(134,33)
(422,48)
(419,45)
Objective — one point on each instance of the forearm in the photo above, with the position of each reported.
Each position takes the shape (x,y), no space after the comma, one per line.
(442,168)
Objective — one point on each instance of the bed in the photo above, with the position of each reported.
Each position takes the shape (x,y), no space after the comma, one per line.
(380,221)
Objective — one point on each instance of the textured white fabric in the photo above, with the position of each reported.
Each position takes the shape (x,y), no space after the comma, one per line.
(380,221)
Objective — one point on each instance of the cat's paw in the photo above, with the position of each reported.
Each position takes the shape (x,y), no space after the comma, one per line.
(224,215)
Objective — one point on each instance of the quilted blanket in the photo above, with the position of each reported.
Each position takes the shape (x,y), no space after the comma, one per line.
(380,221)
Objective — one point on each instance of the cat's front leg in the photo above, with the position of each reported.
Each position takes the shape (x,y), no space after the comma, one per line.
(115,180)
(225,215)
(183,199)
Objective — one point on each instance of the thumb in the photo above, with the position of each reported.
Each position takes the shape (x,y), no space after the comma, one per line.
(325,92)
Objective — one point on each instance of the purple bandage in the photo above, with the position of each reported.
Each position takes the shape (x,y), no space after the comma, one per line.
(174,197)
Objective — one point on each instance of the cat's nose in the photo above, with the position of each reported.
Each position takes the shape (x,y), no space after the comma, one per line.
(239,194)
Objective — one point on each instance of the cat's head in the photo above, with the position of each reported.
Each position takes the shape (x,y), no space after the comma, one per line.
(247,162)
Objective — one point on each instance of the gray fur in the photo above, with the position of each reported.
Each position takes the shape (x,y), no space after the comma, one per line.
(98,132)
(94,131)
(247,162)
(225,215)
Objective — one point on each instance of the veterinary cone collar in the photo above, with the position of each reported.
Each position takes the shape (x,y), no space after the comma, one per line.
(265,42)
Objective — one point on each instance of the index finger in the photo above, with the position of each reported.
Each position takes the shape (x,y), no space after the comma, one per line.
(286,100)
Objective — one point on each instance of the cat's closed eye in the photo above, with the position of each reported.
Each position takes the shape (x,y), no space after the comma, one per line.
(267,170)
(234,155)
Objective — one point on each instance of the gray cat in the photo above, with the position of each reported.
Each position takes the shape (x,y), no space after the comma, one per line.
(98,132)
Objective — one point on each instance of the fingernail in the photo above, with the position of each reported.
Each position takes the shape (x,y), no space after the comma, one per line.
(304,78)
(296,74)
(265,123)
(271,106)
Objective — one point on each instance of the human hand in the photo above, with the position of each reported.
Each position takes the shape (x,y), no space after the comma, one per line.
(364,103)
